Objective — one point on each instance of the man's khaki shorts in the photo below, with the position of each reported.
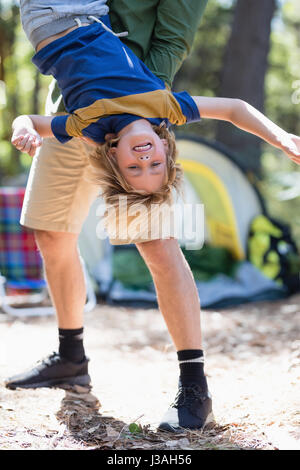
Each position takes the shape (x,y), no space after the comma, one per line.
(59,195)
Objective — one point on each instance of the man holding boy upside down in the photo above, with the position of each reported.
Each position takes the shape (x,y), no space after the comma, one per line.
(115,101)
(57,201)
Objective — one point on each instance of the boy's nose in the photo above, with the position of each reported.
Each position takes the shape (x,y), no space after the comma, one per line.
(144,157)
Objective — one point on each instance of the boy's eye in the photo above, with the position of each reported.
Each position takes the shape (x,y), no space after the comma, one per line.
(134,167)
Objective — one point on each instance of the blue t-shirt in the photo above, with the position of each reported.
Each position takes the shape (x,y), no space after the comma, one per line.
(106,87)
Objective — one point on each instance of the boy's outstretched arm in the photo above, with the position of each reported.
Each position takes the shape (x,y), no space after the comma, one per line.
(248,118)
(28,132)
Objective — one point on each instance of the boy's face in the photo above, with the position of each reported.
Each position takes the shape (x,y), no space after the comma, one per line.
(141,158)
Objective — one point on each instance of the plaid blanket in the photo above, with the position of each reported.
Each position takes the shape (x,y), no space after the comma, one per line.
(20,261)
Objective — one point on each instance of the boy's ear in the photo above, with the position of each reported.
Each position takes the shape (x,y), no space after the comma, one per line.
(109,137)
(165,144)
(112,152)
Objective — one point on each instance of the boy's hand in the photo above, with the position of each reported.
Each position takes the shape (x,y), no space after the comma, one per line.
(26,140)
(290,144)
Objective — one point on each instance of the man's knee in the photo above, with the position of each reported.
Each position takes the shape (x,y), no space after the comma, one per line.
(160,254)
(55,245)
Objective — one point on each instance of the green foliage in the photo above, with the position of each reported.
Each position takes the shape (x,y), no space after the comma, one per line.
(134,428)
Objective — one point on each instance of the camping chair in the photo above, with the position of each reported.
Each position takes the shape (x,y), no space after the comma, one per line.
(21,273)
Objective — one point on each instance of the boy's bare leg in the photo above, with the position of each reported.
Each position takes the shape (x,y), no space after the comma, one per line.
(176,291)
(64,276)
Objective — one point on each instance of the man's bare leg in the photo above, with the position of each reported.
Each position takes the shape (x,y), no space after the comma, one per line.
(67,289)
(179,303)
(176,291)
(64,276)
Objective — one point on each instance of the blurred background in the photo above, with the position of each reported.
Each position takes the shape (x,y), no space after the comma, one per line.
(245,49)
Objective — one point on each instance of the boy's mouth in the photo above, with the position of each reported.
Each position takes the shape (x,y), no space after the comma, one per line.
(143,147)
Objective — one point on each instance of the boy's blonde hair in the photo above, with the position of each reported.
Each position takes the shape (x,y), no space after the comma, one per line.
(106,173)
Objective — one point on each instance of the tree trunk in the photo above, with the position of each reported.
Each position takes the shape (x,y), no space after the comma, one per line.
(243,74)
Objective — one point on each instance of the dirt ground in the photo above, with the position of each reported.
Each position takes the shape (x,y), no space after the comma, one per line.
(252,363)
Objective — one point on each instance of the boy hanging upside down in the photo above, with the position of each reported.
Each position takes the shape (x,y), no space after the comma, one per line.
(114,101)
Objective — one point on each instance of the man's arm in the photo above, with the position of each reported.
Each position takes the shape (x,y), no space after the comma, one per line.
(28,132)
(161,32)
(174,32)
(248,118)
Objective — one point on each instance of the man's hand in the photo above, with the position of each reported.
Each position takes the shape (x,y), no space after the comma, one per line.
(27,140)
